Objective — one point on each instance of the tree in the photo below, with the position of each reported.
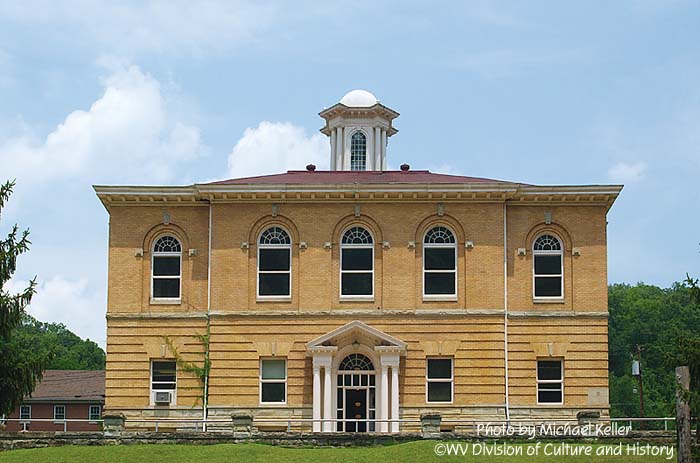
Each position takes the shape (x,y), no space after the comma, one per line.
(20,368)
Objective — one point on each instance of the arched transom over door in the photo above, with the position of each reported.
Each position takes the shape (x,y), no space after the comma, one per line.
(356,394)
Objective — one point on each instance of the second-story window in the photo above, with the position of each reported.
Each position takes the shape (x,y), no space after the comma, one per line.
(274,263)
(358,151)
(548,267)
(166,268)
(357,263)
(439,263)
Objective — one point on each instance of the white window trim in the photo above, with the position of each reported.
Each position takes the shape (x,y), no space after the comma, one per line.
(152,400)
(99,412)
(441,297)
(266,297)
(367,143)
(276,381)
(451,380)
(549,381)
(154,254)
(20,412)
(355,297)
(59,420)
(559,253)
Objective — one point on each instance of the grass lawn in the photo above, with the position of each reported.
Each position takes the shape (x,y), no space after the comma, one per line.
(250,453)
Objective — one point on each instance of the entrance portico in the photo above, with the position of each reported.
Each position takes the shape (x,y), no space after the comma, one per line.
(356,379)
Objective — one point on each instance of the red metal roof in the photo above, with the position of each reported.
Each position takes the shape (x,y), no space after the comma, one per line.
(70,386)
(321,177)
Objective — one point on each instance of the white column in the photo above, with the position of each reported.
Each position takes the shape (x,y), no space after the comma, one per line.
(317,399)
(327,395)
(394,398)
(383,150)
(333,150)
(384,402)
(340,147)
(377,149)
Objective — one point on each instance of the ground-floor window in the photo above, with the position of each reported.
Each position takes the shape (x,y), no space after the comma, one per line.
(439,380)
(163,381)
(59,412)
(94,412)
(25,412)
(550,381)
(273,381)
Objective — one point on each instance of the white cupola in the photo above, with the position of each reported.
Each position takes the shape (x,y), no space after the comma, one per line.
(359,127)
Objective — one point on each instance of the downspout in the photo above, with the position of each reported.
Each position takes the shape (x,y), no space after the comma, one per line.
(505,306)
(205,400)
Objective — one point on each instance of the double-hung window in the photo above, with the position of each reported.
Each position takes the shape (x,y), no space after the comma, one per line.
(163,379)
(273,381)
(357,264)
(274,263)
(440,263)
(25,412)
(358,151)
(550,381)
(439,379)
(59,412)
(94,412)
(548,268)
(166,268)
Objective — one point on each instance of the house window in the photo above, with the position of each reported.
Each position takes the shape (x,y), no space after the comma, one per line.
(273,381)
(550,382)
(357,263)
(439,379)
(439,263)
(59,412)
(548,268)
(25,412)
(274,263)
(163,376)
(358,151)
(95,412)
(166,268)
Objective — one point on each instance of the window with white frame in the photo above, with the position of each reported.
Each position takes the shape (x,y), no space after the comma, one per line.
(357,263)
(358,151)
(95,412)
(274,263)
(439,379)
(25,412)
(163,376)
(548,267)
(166,268)
(550,381)
(440,263)
(59,412)
(273,381)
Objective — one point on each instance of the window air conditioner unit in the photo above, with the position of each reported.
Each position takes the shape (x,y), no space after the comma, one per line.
(163,397)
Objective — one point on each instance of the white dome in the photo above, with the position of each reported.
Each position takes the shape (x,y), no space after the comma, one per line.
(359,99)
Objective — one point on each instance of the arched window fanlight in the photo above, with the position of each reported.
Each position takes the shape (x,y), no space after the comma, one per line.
(357,263)
(439,263)
(356,362)
(358,151)
(548,267)
(274,263)
(166,268)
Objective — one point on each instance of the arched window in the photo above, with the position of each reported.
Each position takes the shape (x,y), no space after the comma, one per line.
(357,263)
(274,263)
(166,268)
(358,151)
(548,267)
(356,362)
(439,263)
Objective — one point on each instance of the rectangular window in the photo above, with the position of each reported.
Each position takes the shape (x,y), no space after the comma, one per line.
(25,412)
(166,277)
(548,275)
(273,381)
(440,271)
(274,272)
(439,379)
(59,412)
(550,381)
(357,271)
(163,375)
(95,412)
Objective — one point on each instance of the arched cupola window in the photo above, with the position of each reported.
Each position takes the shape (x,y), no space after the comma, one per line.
(358,151)
(548,267)
(274,263)
(357,263)
(166,268)
(440,263)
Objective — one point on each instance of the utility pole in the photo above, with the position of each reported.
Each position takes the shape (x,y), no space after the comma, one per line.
(641,387)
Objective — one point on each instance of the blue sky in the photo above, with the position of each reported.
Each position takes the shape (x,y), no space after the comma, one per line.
(176,92)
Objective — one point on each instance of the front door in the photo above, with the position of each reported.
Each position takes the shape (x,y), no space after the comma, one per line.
(356,409)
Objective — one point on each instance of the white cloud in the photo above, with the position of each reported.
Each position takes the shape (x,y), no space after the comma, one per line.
(274,147)
(127,134)
(627,172)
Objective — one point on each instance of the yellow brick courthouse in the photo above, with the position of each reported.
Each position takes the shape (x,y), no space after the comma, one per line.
(358,293)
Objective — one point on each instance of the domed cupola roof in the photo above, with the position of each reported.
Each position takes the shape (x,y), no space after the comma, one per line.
(359,99)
